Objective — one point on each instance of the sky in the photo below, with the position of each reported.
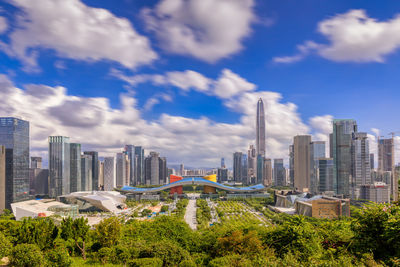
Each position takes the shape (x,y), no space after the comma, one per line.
(182,77)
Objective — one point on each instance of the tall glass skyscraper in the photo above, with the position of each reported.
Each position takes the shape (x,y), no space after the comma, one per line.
(325,175)
(237,166)
(14,135)
(139,165)
(341,147)
(75,169)
(95,168)
(361,169)
(260,128)
(130,151)
(279,173)
(59,165)
(86,172)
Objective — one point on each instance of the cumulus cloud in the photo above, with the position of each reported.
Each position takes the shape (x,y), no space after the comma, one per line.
(353,37)
(205,29)
(228,84)
(3,25)
(76,31)
(196,142)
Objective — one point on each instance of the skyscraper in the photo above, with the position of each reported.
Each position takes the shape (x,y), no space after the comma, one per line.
(301,148)
(251,163)
(109,173)
(386,163)
(95,169)
(260,169)
(244,169)
(121,169)
(163,170)
(75,169)
(39,178)
(267,172)
(341,150)
(317,150)
(325,174)
(36,162)
(237,166)
(182,169)
(59,166)
(222,163)
(279,173)
(2,178)
(291,165)
(86,173)
(152,168)
(14,135)
(361,170)
(260,128)
(130,151)
(139,165)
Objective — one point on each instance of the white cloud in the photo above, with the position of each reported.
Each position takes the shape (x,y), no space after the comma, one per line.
(76,31)
(205,29)
(228,84)
(3,25)
(196,142)
(354,37)
(151,102)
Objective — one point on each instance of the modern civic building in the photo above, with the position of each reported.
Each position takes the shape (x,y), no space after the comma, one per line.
(59,166)
(343,130)
(95,169)
(14,136)
(75,169)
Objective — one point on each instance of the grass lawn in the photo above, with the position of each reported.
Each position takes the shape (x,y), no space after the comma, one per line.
(78,261)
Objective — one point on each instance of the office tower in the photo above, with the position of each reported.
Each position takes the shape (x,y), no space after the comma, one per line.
(36,162)
(260,128)
(139,165)
(386,162)
(361,170)
(163,170)
(251,163)
(301,148)
(291,165)
(101,175)
(223,163)
(260,169)
(75,169)
(237,166)
(39,181)
(222,175)
(152,168)
(109,173)
(341,142)
(267,172)
(331,145)
(317,150)
(182,169)
(2,178)
(244,169)
(59,166)
(121,169)
(325,175)
(14,136)
(372,161)
(378,192)
(87,173)
(95,169)
(130,151)
(279,173)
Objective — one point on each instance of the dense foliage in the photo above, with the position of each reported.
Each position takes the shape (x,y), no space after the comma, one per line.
(371,238)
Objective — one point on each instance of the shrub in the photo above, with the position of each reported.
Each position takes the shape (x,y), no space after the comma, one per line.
(58,257)
(26,255)
(5,246)
(143,262)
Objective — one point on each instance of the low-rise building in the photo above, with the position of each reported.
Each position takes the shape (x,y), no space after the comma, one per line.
(378,192)
(43,208)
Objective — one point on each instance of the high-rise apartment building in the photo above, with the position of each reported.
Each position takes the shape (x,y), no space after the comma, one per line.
(260,128)
(109,173)
(341,145)
(279,173)
(59,166)
(302,156)
(36,162)
(86,173)
(14,135)
(75,169)
(267,172)
(237,166)
(95,169)
(361,169)
(386,162)
(2,178)
(372,161)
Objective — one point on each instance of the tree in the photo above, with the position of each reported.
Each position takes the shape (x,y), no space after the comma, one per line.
(5,246)
(58,257)
(164,208)
(41,231)
(77,230)
(146,212)
(108,232)
(26,255)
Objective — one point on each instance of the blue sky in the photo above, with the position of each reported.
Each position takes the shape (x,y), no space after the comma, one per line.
(320,61)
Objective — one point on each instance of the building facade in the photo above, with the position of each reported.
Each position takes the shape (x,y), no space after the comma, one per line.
(59,166)
(361,169)
(302,156)
(36,162)
(152,168)
(139,165)
(279,173)
(75,169)
(86,173)
(251,163)
(237,166)
(260,128)
(267,172)
(120,169)
(95,169)
(14,136)
(2,178)
(109,173)
(317,151)
(325,175)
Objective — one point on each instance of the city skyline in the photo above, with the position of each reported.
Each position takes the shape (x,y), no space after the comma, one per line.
(192,100)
